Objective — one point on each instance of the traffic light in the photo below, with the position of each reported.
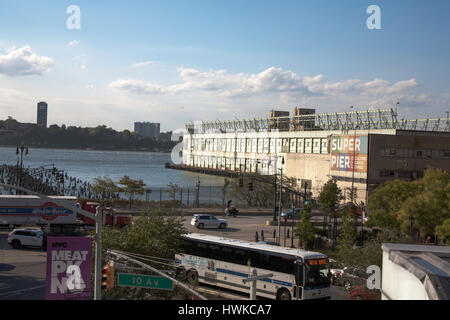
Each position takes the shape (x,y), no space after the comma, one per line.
(250,186)
(108,276)
(241,182)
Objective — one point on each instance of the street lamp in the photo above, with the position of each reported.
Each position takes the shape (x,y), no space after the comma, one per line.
(280,202)
(20,149)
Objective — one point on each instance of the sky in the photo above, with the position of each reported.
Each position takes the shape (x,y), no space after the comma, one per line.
(180,61)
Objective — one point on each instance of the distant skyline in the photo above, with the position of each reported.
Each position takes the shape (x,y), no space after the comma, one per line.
(173,62)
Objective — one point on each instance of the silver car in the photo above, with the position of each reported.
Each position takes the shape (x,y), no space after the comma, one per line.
(208,221)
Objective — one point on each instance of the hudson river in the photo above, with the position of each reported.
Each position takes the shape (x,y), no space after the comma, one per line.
(88,164)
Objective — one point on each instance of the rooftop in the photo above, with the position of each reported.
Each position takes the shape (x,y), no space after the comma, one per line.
(350,120)
(429,263)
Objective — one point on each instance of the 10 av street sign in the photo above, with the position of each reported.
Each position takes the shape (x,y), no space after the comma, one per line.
(144,281)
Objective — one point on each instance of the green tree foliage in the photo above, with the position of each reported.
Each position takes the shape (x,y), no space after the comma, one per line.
(100,137)
(443,232)
(347,234)
(132,187)
(386,201)
(304,229)
(330,196)
(153,235)
(426,201)
(104,187)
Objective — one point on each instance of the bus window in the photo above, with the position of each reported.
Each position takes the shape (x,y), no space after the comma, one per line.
(316,275)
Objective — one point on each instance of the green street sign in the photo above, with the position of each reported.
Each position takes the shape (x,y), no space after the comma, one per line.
(144,281)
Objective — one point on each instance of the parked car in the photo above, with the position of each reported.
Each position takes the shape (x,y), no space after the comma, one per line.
(364,293)
(19,238)
(292,214)
(208,221)
(349,277)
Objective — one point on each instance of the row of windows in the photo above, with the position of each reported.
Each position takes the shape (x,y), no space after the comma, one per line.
(415,153)
(234,164)
(260,145)
(239,256)
(401,174)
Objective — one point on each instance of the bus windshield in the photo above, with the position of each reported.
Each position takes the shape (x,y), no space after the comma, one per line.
(317,275)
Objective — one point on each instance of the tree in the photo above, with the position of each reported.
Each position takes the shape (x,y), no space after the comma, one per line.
(430,205)
(152,235)
(329,199)
(425,202)
(347,234)
(330,196)
(304,229)
(132,187)
(386,201)
(172,190)
(105,187)
(443,232)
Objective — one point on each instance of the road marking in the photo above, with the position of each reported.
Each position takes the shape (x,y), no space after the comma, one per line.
(21,290)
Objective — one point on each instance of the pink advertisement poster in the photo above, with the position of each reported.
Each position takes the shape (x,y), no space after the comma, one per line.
(69,262)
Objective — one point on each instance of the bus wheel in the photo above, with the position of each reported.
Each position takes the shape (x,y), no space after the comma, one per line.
(192,277)
(283,294)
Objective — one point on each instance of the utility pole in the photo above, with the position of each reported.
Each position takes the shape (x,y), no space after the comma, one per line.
(98,253)
(280,203)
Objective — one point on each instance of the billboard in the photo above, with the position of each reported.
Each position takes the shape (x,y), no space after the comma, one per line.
(69,262)
(349,153)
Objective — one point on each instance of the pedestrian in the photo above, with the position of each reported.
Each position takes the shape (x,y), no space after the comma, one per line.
(256,236)
(262,235)
(274,233)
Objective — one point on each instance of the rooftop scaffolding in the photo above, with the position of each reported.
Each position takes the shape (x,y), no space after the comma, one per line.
(349,120)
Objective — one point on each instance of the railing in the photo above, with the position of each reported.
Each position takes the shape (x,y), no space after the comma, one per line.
(350,120)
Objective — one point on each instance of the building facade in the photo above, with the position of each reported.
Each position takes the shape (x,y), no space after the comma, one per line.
(42,108)
(358,159)
(147,129)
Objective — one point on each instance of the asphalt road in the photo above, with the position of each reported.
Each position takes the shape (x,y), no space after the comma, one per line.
(22,272)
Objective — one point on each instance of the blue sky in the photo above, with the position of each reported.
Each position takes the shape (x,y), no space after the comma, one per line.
(179,61)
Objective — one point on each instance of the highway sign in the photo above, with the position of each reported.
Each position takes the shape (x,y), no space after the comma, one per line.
(144,281)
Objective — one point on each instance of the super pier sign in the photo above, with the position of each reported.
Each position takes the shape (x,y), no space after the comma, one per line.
(349,153)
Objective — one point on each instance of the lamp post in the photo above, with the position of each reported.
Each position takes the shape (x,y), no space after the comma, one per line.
(280,202)
(20,149)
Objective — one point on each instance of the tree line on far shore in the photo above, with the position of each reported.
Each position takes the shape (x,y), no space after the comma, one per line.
(100,138)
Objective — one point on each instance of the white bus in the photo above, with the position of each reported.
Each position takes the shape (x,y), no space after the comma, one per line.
(222,262)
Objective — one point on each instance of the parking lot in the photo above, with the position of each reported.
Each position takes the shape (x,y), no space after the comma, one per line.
(23,271)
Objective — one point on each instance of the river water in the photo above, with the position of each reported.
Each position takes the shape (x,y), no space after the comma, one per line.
(148,166)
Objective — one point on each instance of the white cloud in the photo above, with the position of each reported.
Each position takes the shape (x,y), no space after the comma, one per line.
(73,43)
(142,64)
(24,62)
(285,83)
(136,86)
